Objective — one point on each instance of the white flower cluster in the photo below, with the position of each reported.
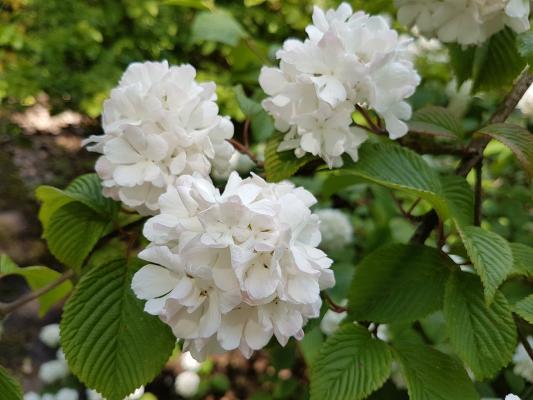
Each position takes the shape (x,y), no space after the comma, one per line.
(522,363)
(159,123)
(62,394)
(335,228)
(466,22)
(526,103)
(347,59)
(136,395)
(231,270)
(188,381)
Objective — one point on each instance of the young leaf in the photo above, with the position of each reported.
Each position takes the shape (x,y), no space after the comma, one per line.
(73,232)
(518,139)
(351,365)
(491,256)
(217,26)
(522,259)
(110,343)
(398,283)
(37,277)
(524,44)
(432,375)
(460,199)
(9,388)
(524,308)
(484,336)
(284,164)
(436,120)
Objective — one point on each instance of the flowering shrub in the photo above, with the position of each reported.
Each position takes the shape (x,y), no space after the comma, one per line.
(190,234)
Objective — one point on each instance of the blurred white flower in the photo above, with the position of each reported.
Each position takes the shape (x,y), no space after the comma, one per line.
(231,270)
(522,363)
(94,395)
(159,123)
(331,321)
(67,394)
(238,162)
(526,103)
(137,394)
(49,335)
(512,397)
(397,376)
(466,22)
(335,228)
(347,59)
(188,363)
(187,383)
(31,396)
(53,371)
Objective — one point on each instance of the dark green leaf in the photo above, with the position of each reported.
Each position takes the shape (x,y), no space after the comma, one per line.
(9,388)
(491,256)
(398,283)
(524,44)
(282,165)
(110,343)
(436,120)
(522,259)
(524,308)
(483,336)
(217,26)
(351,365)
(432,375)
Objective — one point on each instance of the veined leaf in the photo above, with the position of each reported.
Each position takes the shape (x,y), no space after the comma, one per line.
(518,139)
(524,308)
(284,164)
(350,366)
(436,120)
(217,26)
(432,375)
(460,199)
(9,388)
(398,283)
(524,44)
(110,343)
(491,256)
(522,259)
(484,336)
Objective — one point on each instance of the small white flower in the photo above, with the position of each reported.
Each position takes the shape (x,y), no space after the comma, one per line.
(512,397)
(466,22)
(331,321)
(137,394)
(526,103)
(347,59)
(158,123)
(230,270)
(31,396)
(92,395)
(522,363)
(49,335)
(187,383)
(67,394)
(53,371)
(335,228)
(188,363)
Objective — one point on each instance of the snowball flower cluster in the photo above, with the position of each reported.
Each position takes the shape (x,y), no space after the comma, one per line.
(230,270)
(49,335)
(347,59)
(158,123)
(466,22)
(335,228)
(54,370)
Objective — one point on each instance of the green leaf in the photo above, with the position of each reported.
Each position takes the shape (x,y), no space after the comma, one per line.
(73,232)
(38,277)
(524,45)
(351,365)
(284,164)
(484,336)
(460,199)
(491,257)
(398,283)
(432,375)
(217,26)
(261,123)
(518,139)
(198,4)
(436,120)
(493,65)
(524,308)
(9,388)
(311,344)
(523,259)
(110,343)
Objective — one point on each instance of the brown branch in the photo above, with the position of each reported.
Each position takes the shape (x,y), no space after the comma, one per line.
(245,150)
(374,128)
(406,214)
(478,193)
(332,305)
(246,133)
(6,308)
(476,146)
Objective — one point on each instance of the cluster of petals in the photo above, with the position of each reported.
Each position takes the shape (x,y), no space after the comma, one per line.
(230,270)
(158,123)
(346,59)
(335,228)
(467,22)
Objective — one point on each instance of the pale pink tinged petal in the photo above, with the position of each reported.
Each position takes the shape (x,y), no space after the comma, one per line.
(319,19)
(152,281)
(303,288)
(256,336)
(119,151)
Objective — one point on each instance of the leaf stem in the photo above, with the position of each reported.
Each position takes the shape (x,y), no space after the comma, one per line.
(332,305)
(7,308)
(241,148)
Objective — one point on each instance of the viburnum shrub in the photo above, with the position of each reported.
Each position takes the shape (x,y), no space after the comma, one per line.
(190,231)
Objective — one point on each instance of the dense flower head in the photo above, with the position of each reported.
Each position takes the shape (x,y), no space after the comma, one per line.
(466,22)
(347,59)
(230,270)
(159,123)
(335,228)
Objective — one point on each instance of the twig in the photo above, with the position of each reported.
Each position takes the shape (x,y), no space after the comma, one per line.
(478,193)
(374,128)
(332,305)
(415,203)
(246,133)
(476,146)
(406,214)
(245,150)
(6,308)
